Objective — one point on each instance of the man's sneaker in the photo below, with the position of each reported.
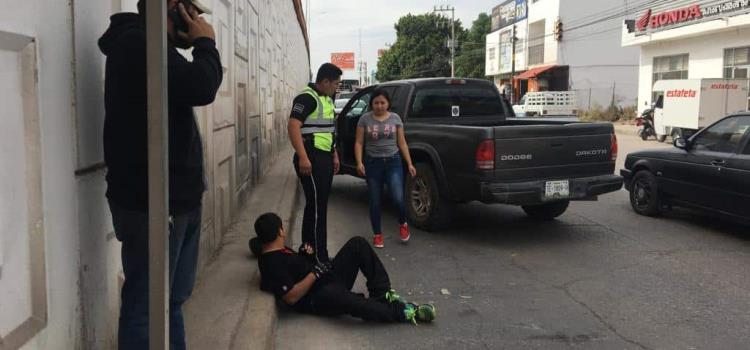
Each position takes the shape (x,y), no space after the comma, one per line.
(426,313)
(419,313)
(404,232)
(377,241)
(391,297)
(410,313)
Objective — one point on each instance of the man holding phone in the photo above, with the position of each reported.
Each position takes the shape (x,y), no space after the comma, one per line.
(126,155)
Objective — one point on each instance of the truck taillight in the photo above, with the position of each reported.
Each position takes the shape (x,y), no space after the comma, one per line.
(613,148)
(456,81)
(486,155)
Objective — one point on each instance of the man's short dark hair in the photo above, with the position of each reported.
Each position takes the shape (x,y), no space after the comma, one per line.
(267,227)
(328,71)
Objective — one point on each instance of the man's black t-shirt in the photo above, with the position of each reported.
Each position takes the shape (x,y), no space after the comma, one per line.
(280,270)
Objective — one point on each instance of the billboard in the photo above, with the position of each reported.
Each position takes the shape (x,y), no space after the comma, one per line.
(343,60)
(509,12)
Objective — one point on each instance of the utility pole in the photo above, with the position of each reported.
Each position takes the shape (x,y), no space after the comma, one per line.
(158,175)
(513,40)
(360,58)
(452,43)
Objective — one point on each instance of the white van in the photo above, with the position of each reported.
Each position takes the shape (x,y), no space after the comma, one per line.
(546,103)
(686,105)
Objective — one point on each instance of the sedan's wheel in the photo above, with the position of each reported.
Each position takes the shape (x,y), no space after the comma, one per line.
(644,194)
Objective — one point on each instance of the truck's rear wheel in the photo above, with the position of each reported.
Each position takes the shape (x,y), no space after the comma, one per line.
(425,208)
(547,211)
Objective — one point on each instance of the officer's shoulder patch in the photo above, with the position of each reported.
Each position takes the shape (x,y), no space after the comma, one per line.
(298,107)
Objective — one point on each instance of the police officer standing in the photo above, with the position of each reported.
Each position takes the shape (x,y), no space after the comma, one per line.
(311,130)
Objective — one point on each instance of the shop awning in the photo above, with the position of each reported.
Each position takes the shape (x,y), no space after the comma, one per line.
(532,73)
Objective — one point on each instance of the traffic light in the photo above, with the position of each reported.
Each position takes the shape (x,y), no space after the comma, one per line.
(558,30)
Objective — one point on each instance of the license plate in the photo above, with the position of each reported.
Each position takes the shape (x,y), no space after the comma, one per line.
(557,189)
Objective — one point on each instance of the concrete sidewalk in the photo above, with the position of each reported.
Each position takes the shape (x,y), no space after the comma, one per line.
(227,309)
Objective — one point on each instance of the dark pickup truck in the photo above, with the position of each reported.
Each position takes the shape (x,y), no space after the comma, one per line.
(466,148)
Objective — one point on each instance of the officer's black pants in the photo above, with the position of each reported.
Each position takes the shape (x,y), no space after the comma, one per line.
(316,188)
(332,295)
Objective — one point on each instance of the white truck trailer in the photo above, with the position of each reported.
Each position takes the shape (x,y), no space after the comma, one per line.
(684,106)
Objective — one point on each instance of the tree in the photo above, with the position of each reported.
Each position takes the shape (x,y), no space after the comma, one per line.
(471,59)
(420,49)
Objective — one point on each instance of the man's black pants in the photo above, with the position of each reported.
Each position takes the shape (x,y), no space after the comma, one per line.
(317,187)
(332,295)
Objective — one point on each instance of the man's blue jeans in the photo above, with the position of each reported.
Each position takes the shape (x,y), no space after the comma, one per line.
(385,171)
(131,228)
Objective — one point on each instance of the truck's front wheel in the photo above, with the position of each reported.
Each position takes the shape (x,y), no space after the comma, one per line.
(547,211)
(425,208)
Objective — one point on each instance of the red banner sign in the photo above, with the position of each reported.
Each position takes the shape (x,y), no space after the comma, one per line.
(343,60)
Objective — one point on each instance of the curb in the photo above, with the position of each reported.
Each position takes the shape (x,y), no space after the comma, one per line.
(267,302)
(227,309)
(261,313)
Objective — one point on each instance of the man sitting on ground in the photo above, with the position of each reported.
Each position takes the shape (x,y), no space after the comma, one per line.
(324,288)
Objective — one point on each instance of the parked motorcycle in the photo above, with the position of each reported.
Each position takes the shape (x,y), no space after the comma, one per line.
(645,124)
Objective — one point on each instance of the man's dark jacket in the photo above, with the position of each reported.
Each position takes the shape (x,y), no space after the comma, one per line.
(125,136)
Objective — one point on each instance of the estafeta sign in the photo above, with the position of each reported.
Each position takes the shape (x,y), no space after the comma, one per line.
(682,93)
(696,12)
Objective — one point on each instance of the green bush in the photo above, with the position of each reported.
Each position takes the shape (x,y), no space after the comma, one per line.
(597,113)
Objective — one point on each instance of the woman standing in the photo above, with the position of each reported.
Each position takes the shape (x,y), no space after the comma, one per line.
(380,133)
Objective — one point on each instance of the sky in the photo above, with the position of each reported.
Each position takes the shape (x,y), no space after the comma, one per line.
(334,25)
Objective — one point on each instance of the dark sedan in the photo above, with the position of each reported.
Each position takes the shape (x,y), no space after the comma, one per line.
(709,171)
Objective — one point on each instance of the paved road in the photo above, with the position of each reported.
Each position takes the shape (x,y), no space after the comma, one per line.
(599,277)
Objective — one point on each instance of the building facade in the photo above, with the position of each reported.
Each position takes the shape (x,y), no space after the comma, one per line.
(563,45)
(60,271)
(689,40)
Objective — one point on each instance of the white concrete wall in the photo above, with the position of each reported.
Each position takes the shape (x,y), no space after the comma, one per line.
(598,63)
(40,267)
(60,268)
(547,10)
(492,64)
(706,57)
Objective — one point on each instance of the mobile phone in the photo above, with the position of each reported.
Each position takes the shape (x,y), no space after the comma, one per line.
(174,13)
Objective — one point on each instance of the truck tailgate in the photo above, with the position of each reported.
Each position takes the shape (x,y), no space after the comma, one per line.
(529,152)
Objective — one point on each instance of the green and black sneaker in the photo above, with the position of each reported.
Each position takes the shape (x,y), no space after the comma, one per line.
(426,313)
(391,297)
(419,313)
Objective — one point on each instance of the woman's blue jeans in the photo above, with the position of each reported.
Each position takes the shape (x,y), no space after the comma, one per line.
(385,171)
